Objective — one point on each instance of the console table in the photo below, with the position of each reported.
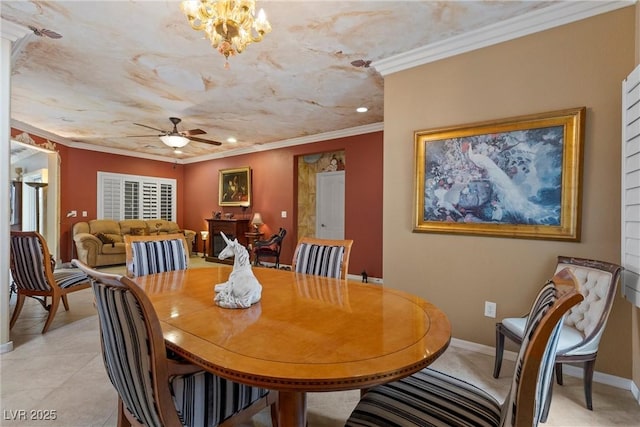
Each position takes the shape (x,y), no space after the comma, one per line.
(232,228)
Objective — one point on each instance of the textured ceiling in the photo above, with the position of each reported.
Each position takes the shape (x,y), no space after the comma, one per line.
(139,61)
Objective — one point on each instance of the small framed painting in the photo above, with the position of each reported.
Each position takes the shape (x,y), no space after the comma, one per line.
(516,177)
(234,187)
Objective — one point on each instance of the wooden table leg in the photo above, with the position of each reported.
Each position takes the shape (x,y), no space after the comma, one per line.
(292,408)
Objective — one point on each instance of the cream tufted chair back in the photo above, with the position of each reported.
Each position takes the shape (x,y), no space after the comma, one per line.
(583,325)
(598,283)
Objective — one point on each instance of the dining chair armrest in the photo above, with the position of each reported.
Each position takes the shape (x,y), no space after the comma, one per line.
(262,243)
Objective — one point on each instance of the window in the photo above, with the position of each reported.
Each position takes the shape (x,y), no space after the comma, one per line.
(135,197)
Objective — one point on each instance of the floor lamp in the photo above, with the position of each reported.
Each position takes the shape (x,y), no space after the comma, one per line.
(37,186)
(204,235)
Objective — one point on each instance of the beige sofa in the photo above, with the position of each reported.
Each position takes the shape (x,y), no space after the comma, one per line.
(101,242)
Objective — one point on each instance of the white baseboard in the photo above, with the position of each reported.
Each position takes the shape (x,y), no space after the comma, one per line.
(635,391)
(358,278)
(6,347)
(574,371)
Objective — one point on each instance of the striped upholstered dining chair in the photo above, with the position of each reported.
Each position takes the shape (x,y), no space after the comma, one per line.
(154,390)
(322,257)
(433,398)
(155,254)
(34,275)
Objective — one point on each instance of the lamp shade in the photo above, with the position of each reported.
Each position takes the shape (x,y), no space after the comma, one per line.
(174,141)
(204,235)
(257,220)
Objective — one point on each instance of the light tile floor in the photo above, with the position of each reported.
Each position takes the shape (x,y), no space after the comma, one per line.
(62,371)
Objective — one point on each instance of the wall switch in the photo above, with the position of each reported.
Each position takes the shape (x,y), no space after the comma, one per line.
(283,214)
(490,309)
(84,214)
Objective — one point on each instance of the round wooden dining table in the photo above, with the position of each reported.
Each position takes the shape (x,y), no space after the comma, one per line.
(307,333)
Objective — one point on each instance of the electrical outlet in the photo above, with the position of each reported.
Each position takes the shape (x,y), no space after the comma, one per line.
(84,214)
(490,309)
(283,214)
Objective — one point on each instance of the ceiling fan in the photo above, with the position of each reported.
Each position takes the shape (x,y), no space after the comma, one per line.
(177,139)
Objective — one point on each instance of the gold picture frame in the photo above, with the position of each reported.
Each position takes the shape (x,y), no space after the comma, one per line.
(234,187)
(516,177)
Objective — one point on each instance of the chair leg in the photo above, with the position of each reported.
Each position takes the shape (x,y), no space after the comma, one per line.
(499,352)
(559,373)
(65,302)
(589,367)
(275,420)
(123,421)
(53,308)
(16,311)
(547,403)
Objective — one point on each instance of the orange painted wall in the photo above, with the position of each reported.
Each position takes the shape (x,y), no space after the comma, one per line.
(274,186)
(273,183)
(79,184)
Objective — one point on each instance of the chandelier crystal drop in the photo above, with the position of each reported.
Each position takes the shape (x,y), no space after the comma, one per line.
(230,25)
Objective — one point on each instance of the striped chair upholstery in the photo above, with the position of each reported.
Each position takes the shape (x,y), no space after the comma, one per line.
(320,260)
(29,270)
(154,390)
(433,398)
(322,257)
(204,399)
(33,274)
(156,256)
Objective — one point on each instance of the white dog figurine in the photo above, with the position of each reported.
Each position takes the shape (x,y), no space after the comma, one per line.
(242,289)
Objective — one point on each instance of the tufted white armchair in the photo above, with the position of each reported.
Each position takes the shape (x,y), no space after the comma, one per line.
(583,325)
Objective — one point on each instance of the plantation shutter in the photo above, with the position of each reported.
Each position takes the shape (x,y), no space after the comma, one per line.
(150,200)
(131,199)
(630,224)
(135,197)
(166,201)
(111,197)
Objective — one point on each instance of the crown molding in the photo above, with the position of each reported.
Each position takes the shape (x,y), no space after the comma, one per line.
(84,146)
(557,14)
(12,31)
(358,130)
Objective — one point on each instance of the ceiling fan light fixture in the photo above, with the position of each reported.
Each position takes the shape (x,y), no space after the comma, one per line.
(174,141)
(230,25)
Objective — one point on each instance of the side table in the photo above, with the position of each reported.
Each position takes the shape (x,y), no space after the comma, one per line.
(252,237)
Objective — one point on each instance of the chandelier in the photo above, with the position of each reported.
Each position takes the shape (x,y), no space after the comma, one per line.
(230,25)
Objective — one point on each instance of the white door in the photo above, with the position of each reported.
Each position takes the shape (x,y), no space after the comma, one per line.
(330,205)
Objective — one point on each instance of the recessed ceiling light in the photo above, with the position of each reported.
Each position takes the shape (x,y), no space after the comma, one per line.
(362,109)
(232,140)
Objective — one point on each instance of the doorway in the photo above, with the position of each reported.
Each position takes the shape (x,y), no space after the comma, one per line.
(36,170)
(309,168)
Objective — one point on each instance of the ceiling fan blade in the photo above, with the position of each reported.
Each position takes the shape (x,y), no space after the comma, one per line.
(206,141)
(193,132)
(145,126)
(141,136)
